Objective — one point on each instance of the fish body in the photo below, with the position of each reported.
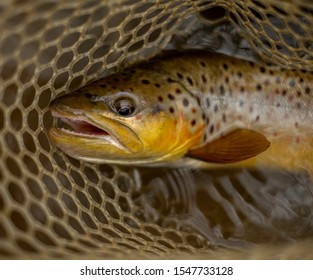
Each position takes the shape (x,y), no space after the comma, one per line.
(210,107)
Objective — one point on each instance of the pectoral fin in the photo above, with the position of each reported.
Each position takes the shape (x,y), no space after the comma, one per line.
(235,146)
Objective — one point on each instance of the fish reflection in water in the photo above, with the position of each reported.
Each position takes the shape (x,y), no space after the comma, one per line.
(235,208)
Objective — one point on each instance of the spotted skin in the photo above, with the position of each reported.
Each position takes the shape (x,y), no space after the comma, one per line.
(276,103)
(196,98)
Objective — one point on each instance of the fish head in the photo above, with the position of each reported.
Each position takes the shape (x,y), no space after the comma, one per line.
(140,118)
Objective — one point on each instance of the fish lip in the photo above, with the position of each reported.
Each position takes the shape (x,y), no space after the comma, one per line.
(110,137)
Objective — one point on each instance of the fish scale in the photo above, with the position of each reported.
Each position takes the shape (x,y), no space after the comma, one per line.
(209,107)
(242,90)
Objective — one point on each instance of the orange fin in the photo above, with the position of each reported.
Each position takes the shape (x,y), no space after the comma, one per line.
(237,145)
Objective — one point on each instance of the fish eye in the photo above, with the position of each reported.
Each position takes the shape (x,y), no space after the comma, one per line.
(124,106)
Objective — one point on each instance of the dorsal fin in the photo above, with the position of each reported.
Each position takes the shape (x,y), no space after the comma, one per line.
(235,146)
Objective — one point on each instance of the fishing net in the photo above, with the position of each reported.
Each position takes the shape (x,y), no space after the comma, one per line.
(53,206)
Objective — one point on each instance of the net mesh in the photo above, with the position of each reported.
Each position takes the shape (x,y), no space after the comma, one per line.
(53,206)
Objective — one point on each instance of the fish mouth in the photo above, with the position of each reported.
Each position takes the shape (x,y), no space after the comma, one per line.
(79,126)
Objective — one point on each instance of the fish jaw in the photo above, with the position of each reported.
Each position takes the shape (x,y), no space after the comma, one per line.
(95,141)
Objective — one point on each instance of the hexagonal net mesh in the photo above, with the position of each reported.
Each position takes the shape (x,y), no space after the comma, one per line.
(52,206)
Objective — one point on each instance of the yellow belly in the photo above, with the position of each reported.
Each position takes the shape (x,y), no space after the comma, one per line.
(285,154)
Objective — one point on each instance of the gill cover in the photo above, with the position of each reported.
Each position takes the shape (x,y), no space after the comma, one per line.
(132,118)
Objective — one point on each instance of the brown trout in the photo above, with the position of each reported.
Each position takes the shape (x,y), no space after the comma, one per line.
(204,106)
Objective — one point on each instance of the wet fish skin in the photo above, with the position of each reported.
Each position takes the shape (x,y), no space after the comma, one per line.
(186,102)
(147,136)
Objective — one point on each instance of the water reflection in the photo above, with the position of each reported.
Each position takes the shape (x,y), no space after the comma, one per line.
(230,208)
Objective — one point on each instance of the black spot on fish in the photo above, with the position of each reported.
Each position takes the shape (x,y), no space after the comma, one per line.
(133,71)
(239,74)
(271,72)
(215,109)
(225,66)
(303,71)
(198,100)
(194,110)
(226,79)
(171,110)
(203,116)
(258,87)
(292,83)
(115,79)
(193,123)
(211,89)
(257,118)
(299,93)
(160,98)
(251,63)
(178,91)
(145,82)
(114,87)
(307,90)
(202,64)
(170,80)
(185,102)
(241,103)
(262,69)
(242,89)
(157,85)
(179,76)
(211,129)
(207,102)
(190,81)
(170,96)
(207,121)
(301,80)
(131,89)
(203,78)
(284,92)
(103,85)
(205,137)
(124,73)
(299,105)
(277,104)
(222,90)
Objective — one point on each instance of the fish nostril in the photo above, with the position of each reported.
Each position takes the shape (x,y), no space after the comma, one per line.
(88,95)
